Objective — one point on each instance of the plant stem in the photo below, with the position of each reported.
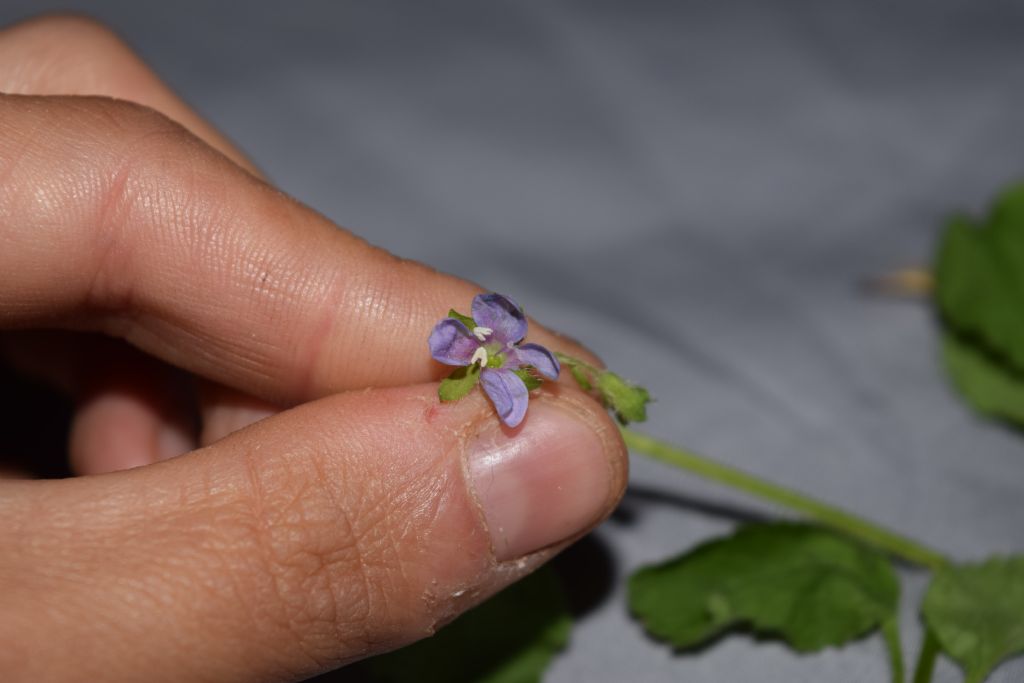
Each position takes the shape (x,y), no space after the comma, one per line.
(827,515)
(891,634)
(926,660)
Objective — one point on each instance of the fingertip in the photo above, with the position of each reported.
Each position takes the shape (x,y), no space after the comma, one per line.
(117,427)
(113,432)
(173,439)
(551,479)
(225,410)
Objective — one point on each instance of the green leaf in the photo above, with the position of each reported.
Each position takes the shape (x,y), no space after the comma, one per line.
(464,319)
(628,401)
(979,277)
(806,585)
(976,612)
(986,385)
(529,379)
(459,383)
(510,639)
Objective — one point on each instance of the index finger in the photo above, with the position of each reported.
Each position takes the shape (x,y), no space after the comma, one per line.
(116,219)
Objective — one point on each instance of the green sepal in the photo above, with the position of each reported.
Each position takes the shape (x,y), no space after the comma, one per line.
(627,401)
(459,383)
(580,375)
(529,379)
(464,319)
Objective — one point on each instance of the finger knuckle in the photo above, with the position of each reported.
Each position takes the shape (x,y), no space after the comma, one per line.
(142,193)
(100,168)
(160,192)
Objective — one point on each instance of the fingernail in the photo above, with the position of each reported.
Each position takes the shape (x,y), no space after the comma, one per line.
(541,484)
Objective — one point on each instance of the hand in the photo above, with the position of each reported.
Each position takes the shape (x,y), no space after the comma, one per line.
(360,518)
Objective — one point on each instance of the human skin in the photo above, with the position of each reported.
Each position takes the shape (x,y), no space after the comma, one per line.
(327,507)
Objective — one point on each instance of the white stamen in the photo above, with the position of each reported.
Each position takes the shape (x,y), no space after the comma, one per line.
(479,355)
(482,332)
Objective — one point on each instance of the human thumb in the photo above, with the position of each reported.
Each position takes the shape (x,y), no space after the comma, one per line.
(336,530)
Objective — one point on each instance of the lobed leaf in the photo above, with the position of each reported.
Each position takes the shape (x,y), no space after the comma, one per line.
(806,585)
(976,612)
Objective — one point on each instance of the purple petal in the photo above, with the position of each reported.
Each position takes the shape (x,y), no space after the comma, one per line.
(508,394)
(502,315)
(452,343)
(537,356)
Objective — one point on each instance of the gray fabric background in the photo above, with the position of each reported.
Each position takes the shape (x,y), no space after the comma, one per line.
(695,189)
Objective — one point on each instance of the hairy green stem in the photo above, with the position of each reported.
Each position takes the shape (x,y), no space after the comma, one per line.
(823,513)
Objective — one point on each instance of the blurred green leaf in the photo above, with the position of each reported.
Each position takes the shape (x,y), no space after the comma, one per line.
(976,612)
(806,585)
(987,386)
(979,274)
(511,638)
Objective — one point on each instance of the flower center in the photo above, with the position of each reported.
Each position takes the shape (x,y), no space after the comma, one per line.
(482,332)
(479,355)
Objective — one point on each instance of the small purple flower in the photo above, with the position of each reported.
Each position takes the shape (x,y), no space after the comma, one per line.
(498,325)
